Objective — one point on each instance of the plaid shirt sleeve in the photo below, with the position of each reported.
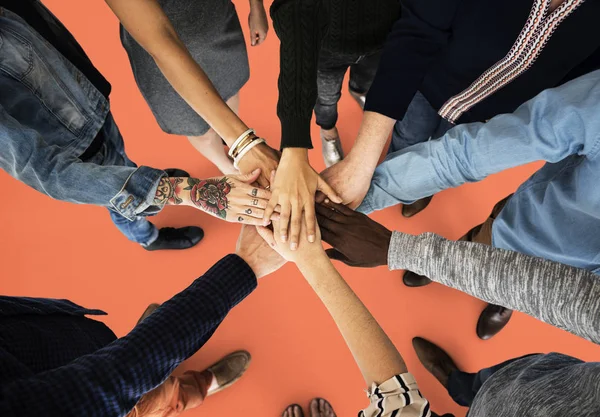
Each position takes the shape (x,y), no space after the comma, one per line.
(110,381)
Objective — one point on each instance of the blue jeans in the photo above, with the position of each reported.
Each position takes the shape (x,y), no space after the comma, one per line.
(112,153)
(463,386)
(420,123)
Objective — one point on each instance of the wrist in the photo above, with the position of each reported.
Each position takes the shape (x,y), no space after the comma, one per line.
(299,154)
(256,4)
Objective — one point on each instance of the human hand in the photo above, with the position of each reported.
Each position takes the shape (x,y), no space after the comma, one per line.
(232,198)
(356,239)
(294,188)
(349,179)
(257,253)
(304,254)
(258,23)
(261,156)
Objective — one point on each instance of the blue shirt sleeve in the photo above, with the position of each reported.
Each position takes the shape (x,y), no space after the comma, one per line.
(110,381)
(555,124)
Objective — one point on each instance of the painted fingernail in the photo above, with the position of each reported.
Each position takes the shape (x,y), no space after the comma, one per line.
(311,238)
(294,246)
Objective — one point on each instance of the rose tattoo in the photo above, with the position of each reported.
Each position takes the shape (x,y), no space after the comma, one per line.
(210,195)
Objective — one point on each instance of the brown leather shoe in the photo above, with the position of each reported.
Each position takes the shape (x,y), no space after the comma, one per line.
(409,210)
(492,319)
(411,279)
(229,369)
(149,310)
(434,359)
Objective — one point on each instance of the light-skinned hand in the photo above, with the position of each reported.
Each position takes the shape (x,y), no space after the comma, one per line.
(257,253)
(304,254)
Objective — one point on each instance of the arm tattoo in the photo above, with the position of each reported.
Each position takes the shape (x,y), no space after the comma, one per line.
(210,195)
(166,193)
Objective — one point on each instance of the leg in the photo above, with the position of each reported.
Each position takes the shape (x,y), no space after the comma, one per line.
(463,386)
(139,231)
(330,77)
(211,147)
(362,74)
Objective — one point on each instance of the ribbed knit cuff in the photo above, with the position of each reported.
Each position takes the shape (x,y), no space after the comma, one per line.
(295,132)
(404,252)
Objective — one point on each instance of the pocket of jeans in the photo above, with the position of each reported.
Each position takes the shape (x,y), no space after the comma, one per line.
(19,60)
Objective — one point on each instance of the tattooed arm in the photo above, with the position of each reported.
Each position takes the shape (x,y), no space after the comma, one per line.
(232,198)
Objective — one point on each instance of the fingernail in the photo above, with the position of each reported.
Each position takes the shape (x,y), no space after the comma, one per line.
(294,246)
(327,201)
(283,238)
(311,238)
(267,222)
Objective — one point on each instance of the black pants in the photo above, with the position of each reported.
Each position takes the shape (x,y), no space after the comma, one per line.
(463,386)
(330,76)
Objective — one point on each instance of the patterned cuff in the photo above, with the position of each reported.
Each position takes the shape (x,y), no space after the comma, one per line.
(233,278)
(405,251)
(398,396)
(137,194)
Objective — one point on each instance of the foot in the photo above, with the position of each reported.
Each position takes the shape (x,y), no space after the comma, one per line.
(434,359)
(321,408)
(331,147)
(492,319)
(171,238)
(293,410)
(409,210)
(176,172)
(149,310)
(228,370)
(361,99)
(411,279)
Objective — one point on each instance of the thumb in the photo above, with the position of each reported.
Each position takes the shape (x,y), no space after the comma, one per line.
(250,177)
(267,235)
(337,255)
(328,191)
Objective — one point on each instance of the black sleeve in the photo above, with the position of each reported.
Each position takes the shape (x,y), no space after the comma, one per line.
(300,26)
(411,48)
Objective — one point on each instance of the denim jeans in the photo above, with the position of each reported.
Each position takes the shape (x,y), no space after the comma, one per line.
(421,122)
(112,153)
(330,76)
(463,386)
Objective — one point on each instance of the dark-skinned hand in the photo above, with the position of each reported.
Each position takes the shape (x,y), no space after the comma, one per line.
(356,239)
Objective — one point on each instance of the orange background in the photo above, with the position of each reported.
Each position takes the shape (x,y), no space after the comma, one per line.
(55,249)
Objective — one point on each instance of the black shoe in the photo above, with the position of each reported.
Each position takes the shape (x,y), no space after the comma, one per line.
(171,238)
(176,172)
(411,279)
(492,319)
(435,360)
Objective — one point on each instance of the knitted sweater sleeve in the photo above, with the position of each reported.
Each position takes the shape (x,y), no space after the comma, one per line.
(300,26)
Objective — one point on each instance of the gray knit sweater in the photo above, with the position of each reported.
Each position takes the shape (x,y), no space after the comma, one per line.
(552,385)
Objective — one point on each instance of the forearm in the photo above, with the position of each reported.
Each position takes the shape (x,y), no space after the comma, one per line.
(535,286)
(300,26)
(373,351)
(151,28)
(373,135)
(116,376)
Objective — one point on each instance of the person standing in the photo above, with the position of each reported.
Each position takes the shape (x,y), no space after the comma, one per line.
(209,36)
(59,137)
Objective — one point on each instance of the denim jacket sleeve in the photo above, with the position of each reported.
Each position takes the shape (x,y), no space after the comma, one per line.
(553,125)
(109,382)
(61,175)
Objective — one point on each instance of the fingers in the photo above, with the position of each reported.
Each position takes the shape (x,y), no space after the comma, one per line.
(284,220)
(270,208)
(246,219)
(327,212)
(267,235)
(328,191)
(310,216)
(320,197)
(250,177)
(345,210)
(259,193)
(295,224)
(329,236)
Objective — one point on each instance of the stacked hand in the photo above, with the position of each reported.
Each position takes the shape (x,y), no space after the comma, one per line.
(231,198)
(294,187)
(261,257)
(357,240)
(350,179)
(257,22)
